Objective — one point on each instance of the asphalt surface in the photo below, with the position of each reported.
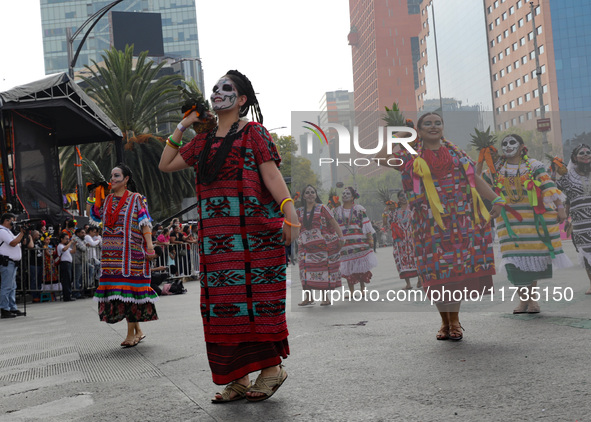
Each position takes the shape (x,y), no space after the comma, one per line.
(370,360)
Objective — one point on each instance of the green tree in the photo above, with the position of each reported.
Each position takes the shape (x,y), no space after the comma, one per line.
(294,168)
(369,189)
(138,102)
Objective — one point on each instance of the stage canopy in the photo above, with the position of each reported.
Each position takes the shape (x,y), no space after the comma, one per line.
(36,119)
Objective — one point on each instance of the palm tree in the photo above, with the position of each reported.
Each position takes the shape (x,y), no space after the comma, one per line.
(394,116)
(138,102)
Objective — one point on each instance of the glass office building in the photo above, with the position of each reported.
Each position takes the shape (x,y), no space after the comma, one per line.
(572,51)
(179,31)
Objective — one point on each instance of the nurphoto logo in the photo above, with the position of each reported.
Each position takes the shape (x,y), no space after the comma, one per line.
(344,144)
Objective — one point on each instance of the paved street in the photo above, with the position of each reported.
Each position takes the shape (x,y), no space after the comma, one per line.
(353,361)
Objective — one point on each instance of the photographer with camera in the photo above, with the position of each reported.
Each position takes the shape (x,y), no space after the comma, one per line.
(10,255)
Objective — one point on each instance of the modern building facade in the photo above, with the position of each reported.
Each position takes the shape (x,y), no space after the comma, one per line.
(385,50)
(515,77)
(453,67)
(179,30)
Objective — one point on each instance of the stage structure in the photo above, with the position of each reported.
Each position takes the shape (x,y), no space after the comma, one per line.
(35,120)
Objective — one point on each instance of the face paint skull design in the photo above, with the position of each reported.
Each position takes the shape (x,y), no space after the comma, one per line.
(347,195)
(224,95)
(510,146)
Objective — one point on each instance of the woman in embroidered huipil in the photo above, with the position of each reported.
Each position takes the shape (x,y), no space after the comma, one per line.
(319,248)
(403,244)
(528,227)
(452,235)
(124,290)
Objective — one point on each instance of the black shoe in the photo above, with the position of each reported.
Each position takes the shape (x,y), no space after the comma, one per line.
(17,313)
(6,314)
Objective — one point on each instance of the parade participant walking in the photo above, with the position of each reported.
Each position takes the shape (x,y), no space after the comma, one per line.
(576,185)
(319,248)
(10,256)
(528,232)
(124,290)
(452,235)
(357,255)
(241,197)
(65,249)
(403,247)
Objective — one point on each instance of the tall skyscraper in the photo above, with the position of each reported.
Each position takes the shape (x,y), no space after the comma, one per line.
(510,35)
(385,51)
(179,30)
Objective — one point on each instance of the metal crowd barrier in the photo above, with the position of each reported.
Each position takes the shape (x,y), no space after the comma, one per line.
(38,274)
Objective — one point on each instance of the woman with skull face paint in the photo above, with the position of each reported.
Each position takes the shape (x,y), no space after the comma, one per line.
(124,290)
(403,246)
(452,235)
(319,248)
(357,255)
(527,228)
(246,216)
(576,185)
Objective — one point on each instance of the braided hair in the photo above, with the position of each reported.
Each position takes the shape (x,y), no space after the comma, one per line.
(244,87)
(208,171)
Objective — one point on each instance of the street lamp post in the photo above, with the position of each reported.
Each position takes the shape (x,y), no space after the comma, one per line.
(539,76)
(72,58)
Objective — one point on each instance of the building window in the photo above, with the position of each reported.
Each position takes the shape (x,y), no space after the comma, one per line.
(537,10)
(522,41)
(499,38)
(528,17)
(525,79)
(515,46)
(529,115)
(545,89)
(520,22)
(504,90)
(502,72)
(547,107)
(511,10)
(539,30)
(519,100)
(530,36)
(506,33)
(497,21)
(522,118)
(495,77)
(532,54)
(497,93)
(536,93)
(504,16)
(490,27)
(512,104)
(511,86)
(504,107)
(518,82)
(492,43)
(538,114)
(533,75)
(498,110)
(524,60)
(519,4)
(513,28)
(541,49)
(543,69)
(501,55)
(516,64)
(496,4)
(494,59)
(489,10)
(509,69)
(507,51)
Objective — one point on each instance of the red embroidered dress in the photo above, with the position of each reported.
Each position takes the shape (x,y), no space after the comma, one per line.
(319,251)
(124,287)
(460,254)
(242,257)
(403,244)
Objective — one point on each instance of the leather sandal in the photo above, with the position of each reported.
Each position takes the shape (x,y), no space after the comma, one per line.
(443,333)
(455,332)
(235,387)
(267,385)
